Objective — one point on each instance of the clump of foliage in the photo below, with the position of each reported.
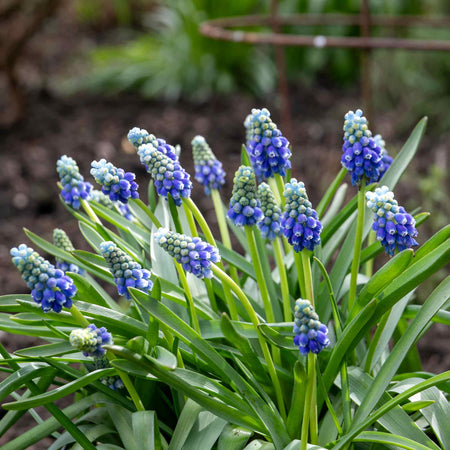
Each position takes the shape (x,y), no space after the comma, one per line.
(295,344)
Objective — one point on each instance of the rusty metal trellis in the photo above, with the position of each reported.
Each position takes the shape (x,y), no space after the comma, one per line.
(225,29)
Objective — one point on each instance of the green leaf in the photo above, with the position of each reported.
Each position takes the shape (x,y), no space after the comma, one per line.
(379,437)
(8,303)
(258,444)
(122,420)
(132,368)
(164,358)
(146,430)
(233,438)
(441,316)
(92,236)
(415,406)
(60,392)
(335,205)
(185,422)
(205,432)
(60,348)
(141,212)
(94,264)
(438,297)
(277,338)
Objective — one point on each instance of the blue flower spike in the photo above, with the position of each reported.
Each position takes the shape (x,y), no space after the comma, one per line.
(299,221)
(138,137)
(245,207)
(195,255)
(126,272)
(90,340)
(50,287)
(208,169)
(116,183)
(170,177)
(62,241)
(114,383)
(361,154)
(270,225)
(386,159)
(74,188)
(310,333)
(267,147)
(394,227)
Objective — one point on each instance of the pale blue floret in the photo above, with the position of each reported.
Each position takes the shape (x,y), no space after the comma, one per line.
(386,159)
(90,340)
(74,188)
(208,169)
(394,227)
(195,255)
(62,241)
(50,287)
(245,207)
(310,333)
(116,183)
(299,221)
(126,272)
(270,225)
(169,176)
(138,137)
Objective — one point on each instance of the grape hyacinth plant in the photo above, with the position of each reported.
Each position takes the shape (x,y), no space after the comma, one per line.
(278,333)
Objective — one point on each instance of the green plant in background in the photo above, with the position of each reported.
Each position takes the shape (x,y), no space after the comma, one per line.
(285,346)
(174,60)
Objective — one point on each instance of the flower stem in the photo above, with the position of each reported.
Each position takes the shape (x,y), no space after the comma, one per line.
(369,264)
(210,239)
(90,212)
(280,187)
(308,401)
(82,321)
(190,300)
(300,274)
(223,227)
(298,401)
(226,279)
(287,311)
(357,248)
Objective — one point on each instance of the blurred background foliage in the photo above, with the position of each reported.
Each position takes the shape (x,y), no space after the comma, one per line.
(164,56)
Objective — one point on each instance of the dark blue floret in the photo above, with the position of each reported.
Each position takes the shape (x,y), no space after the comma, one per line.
(310,333)
(299,221)
(196,256)
(116,183)
(270,225)
(126,272)
(268,149)
(361,154)
(386,160)
(50,288)
(74,188)
(208,169)
(245,207)
(138,137)
(169,176)
(62,241)
(394,227)
(90,340)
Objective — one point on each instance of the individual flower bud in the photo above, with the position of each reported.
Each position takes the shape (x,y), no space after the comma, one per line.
(361,154)
(50,288)
(299,222)
(90,340)
(245,208)
(208,169)
(126,272)
(138,137)
(270,225)
(62,241)
(116,183)
(195,255)
(268,149)
(169,176)
(113,382)
(394,227)
(74,188)
(310,333)
(386,159)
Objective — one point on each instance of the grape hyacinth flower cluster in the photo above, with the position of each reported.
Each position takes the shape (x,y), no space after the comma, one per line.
(268,149)
(116,183)
(62,241)
(170,177)
(74,188)
(299,221)
(50,287)
(196,256)
(362,155)
(138,136)
(386,159)
(126,272)
(394,227)
(245,207)
(90,340)
(113,382)
(270,225)
(208,169)
(310,333)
